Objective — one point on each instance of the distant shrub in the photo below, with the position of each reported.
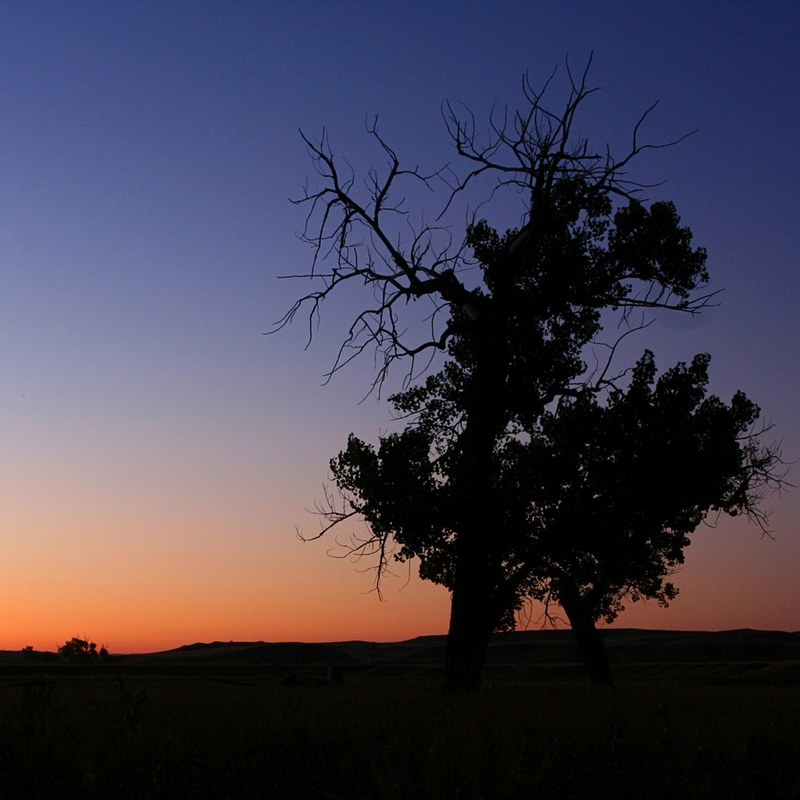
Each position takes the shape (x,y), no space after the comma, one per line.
(81,651)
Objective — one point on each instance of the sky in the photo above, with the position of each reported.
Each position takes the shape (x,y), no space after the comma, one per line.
(160,451)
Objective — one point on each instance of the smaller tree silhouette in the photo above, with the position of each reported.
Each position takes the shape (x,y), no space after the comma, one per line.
(619,488)
(79,650)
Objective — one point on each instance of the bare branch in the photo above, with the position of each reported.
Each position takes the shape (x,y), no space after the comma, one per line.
(601,382)
(366,239)
(372,546)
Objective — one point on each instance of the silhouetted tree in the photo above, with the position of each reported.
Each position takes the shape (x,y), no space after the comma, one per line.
(82,651)
(595,500)
(615,489)
(513,313)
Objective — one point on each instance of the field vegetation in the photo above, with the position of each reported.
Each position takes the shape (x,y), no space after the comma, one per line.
(264,731)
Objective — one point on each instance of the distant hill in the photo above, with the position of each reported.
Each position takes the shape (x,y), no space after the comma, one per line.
(624,645)
(254,652)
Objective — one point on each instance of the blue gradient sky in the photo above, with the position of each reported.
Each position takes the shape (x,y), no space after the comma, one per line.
(159,449)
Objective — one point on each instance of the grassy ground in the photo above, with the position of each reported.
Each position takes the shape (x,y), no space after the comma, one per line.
(724,731)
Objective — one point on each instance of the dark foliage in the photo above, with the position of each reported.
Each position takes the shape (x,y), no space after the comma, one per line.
(81,651)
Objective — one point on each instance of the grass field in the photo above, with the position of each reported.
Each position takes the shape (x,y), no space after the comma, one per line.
(689,731)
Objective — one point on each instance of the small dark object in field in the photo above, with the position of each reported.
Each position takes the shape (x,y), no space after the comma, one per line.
(334,677)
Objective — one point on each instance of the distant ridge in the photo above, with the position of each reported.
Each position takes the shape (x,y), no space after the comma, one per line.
(623,645)
(628,645)
(255,652)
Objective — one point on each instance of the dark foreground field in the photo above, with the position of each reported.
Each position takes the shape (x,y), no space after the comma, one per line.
(693,730)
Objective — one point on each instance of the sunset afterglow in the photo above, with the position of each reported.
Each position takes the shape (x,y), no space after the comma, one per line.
(160,451)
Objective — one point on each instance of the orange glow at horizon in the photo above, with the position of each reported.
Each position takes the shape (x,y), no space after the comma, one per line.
(138,602)
(201,585)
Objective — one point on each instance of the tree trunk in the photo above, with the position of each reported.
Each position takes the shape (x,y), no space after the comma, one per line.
(478,555)
(592,648)
(469,632)
(475,578)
